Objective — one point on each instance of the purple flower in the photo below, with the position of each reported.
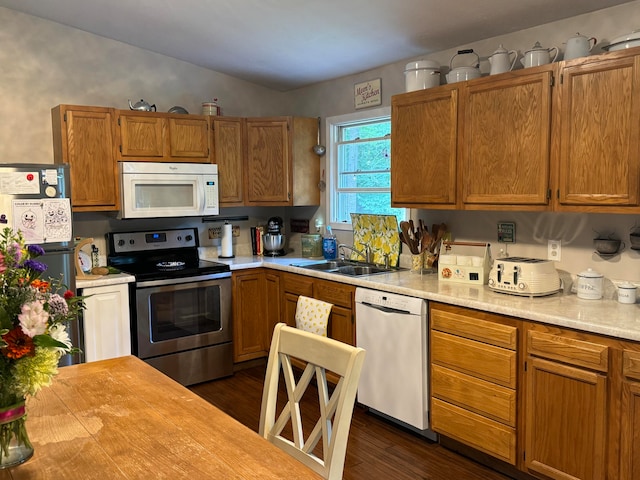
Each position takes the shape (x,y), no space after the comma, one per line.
(35,266)
(35,250)
(58,305)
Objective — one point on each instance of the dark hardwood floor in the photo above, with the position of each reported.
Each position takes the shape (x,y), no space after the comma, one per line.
(377,449)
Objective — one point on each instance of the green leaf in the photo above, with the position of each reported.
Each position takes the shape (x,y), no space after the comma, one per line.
(48,342)
(5,321)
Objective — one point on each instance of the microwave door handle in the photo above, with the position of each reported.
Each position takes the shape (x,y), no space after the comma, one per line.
(200,194)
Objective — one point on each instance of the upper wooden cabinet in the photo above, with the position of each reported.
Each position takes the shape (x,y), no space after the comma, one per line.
(562,136)
(599,118)
(228,153)
(506,146)
(162,137)
(280,165)
(424,132)
(83,137)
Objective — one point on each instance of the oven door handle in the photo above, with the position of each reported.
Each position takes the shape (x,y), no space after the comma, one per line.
(175,281)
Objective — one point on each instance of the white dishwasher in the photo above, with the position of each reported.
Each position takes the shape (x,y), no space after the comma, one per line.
(393,330)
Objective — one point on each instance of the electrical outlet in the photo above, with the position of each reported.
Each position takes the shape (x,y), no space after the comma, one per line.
(554,250)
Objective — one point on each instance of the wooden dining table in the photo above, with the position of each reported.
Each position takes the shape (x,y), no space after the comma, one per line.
(123,419)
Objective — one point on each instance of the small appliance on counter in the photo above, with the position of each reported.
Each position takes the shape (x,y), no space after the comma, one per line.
(528,277)
(274,239)
(457,265)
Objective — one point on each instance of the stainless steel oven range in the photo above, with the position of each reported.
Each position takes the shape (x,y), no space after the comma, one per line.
(180,304)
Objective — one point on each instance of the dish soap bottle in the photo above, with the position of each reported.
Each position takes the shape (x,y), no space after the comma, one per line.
(329,245)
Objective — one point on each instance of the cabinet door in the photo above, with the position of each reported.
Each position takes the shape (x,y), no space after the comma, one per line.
(505,157)
(566,418)
(424,136)
(107,332)
(630,435)
(189,138)
(228,154)
(83,137)
(268,162)
(141,135)
(249,315)
(273,309)
(599,141)
(341,325)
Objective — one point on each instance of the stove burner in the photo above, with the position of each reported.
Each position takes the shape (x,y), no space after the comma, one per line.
(169,266)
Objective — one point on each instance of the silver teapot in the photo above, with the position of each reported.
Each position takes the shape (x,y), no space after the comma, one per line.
(142,106)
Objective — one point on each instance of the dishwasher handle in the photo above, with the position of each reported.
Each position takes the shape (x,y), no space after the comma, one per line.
(382,308)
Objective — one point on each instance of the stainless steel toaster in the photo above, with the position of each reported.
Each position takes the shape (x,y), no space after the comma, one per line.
(531,277)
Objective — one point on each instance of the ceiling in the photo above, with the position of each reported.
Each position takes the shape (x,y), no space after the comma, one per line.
(287,44)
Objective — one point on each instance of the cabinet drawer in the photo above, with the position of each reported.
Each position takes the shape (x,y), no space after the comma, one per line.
(298,285)
(480,360)
(504,336)
(479,396)
(474,430)
(335,293)
(631,364)
(568,350)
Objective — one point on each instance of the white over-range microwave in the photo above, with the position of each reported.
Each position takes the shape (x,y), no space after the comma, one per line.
(152,190)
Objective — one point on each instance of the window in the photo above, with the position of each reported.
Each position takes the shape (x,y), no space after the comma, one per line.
(359,166)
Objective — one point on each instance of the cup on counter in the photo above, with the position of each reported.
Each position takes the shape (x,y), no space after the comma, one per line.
(627,293)
(417,262)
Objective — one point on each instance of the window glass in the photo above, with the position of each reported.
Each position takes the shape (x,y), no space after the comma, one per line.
(360,164)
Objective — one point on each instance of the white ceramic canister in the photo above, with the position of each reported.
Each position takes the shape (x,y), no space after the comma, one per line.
(590,284)
(627,293)
(421,75)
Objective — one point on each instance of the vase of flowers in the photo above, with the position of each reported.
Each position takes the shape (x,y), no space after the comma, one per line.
(34,315)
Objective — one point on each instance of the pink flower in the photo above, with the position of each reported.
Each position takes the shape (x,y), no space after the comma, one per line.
(33,318)
(3,265)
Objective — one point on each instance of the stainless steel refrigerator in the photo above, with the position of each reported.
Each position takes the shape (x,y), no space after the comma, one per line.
(36,199)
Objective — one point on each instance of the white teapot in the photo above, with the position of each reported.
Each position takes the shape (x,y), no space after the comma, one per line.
(500,60)
(538,55)
(579,46)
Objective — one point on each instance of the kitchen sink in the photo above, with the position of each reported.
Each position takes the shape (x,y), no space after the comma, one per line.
(344,267)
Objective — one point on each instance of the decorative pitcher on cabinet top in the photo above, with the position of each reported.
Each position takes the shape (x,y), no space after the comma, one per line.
(538,55)
(500,60)
(579,46)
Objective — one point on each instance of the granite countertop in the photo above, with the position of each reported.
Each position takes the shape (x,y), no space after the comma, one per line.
(605,316)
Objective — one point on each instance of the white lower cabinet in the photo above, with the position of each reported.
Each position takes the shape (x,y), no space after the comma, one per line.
(107,332)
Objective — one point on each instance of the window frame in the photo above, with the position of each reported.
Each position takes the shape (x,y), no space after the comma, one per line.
(332,126)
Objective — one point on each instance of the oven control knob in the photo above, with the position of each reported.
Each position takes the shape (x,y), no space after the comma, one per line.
(132,241)
(188,238)
(120,242)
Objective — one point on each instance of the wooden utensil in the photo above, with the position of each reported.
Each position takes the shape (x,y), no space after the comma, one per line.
(405,227)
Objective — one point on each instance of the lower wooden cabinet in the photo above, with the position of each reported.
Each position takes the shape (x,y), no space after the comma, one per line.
(630,421)
(262,298)
(474,379)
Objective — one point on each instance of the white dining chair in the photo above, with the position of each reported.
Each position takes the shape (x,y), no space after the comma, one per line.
(312,315)
(335,408)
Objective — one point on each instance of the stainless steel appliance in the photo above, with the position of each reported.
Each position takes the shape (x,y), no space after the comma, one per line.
(150,189)
(35,199)
(529,277)
(274,239)
(394,380)
(180,304)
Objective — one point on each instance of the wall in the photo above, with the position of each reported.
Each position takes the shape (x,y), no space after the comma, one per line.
(45,64)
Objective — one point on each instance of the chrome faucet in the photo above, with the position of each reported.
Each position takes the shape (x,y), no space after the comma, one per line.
(366,255)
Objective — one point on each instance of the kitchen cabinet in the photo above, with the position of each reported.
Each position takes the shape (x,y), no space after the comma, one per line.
(630,422)
(599,146)
(107,330)
(567,415)
(249,307)
(506,140)
(341,321)
(255,310)
(228,153)
(474,379)
(561,137)
(424,140)
(162,137)
(83,137)
(280,167)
